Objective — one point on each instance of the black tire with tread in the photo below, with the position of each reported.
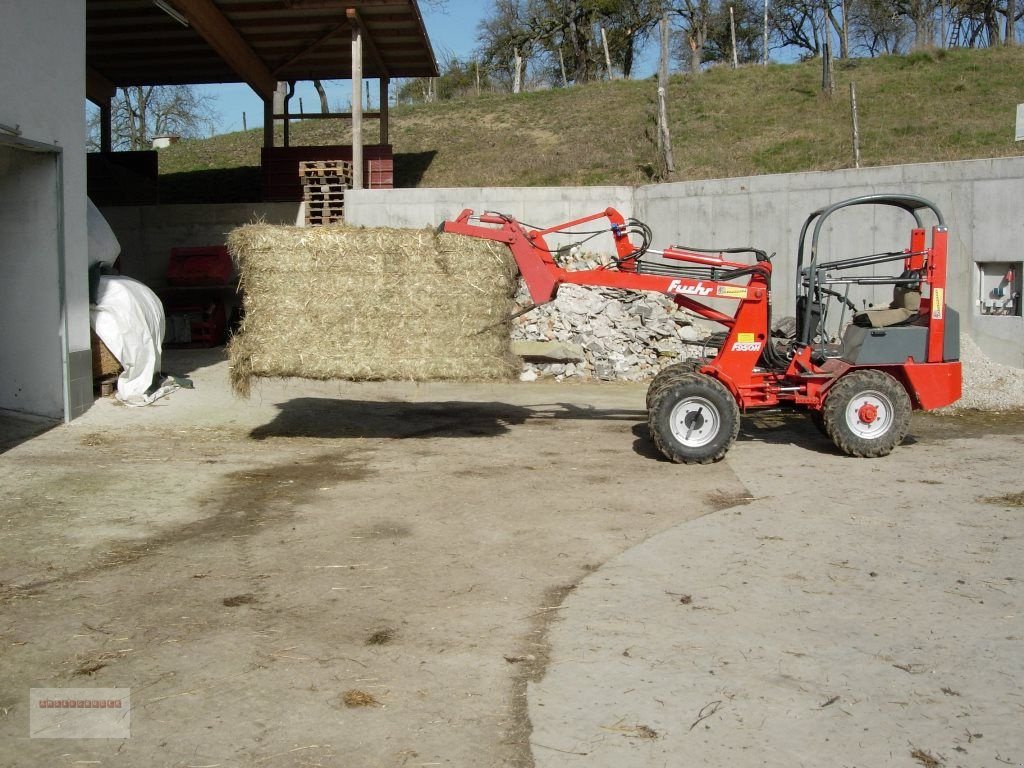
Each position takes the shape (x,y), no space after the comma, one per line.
(660,416)
(849,388)
(669,374)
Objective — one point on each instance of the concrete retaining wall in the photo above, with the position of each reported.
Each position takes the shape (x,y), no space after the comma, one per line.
(540,206)
(980,200)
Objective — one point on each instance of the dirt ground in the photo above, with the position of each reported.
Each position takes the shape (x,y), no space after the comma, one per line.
(358,575)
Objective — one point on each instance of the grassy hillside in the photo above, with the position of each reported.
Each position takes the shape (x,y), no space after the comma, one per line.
(920,108)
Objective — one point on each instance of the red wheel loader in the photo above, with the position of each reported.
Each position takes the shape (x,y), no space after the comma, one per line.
(859,379)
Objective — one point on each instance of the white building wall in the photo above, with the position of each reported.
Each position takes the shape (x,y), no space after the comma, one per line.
(42,57)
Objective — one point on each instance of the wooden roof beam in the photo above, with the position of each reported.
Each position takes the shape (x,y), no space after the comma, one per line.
(98,89)
(332,32)
(206,19)
(368,45)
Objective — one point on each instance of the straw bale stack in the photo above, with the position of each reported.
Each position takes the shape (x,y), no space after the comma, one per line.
(338,302)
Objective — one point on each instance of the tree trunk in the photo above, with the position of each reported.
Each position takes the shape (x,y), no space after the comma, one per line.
(839,25)
(696,39)
(517,76)
(628,54)
(324,107)
(1010,35)
(992,25)
(579,39)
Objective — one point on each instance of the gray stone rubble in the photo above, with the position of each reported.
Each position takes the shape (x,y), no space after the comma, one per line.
(603,333)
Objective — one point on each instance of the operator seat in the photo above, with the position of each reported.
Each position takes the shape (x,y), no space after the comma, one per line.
(905,306)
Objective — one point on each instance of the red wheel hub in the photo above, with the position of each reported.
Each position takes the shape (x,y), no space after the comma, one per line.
(867,413)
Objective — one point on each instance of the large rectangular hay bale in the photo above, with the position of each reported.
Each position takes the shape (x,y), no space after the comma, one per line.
(339,302)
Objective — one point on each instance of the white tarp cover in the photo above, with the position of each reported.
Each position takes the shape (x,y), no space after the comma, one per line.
(129,318)
(103,245)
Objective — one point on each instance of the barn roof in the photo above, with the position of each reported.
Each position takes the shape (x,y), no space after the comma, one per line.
(141,42)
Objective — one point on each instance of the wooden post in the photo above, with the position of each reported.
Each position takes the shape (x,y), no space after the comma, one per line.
(268,122)
(732,34)
(357,106)
(856,129)
(664,138)
(827,80)
(607,57)
(385,85)
(844,51)
(477,63)
(245,126)
(106,134)
(764,58)
(280,94)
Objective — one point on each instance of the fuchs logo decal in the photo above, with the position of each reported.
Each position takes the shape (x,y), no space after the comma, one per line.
(692,290)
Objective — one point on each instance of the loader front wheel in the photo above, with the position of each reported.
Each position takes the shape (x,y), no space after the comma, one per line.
(669,374)
(694,419)
(867,414)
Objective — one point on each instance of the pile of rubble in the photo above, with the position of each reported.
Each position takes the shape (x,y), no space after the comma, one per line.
(603,333)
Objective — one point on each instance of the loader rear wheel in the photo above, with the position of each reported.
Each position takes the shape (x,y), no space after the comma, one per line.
(867,414)
(669,374)
(694,419)
(818,420)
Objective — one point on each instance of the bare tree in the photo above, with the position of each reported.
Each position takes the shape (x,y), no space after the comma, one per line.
(876,30)
(138,113)
(630,24)
(696,17)
(796,25)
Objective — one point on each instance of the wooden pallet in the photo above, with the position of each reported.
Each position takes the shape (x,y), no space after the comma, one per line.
(339,171)
(323,192)
(323,189)
(322,219)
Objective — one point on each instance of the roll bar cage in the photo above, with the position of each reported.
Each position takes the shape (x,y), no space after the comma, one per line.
(809,279)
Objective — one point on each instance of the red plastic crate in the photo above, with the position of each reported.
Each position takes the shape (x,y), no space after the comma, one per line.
(198,266)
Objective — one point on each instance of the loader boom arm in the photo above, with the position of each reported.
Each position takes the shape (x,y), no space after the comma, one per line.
(543,275)
(747,284)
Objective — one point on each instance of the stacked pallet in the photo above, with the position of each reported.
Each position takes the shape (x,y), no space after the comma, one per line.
(323,189)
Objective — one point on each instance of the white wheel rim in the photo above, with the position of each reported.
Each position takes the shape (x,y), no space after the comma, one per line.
(695,422)
(869,415)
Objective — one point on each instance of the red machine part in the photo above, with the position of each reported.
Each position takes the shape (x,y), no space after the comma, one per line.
(803,382)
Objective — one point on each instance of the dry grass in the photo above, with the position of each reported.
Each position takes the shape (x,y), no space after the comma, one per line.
(356,698)
(924,107)
(1015,499)
(381,637)
(926,759)
(370,305)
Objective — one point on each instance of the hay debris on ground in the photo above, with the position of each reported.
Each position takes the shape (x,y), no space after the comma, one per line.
(357,698)
(339,302)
